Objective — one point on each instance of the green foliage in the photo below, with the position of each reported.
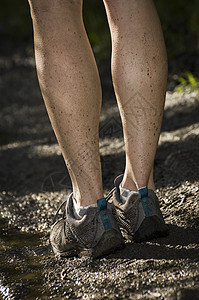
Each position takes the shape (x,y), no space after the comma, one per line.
(189,84)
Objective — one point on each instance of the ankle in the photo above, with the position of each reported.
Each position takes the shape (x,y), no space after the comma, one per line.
(151,186)
(128,183)
(88,198)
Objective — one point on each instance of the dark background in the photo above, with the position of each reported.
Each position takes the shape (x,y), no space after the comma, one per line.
(179,18)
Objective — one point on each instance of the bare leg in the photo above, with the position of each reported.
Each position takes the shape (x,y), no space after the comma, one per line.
(139,71)
(71,90)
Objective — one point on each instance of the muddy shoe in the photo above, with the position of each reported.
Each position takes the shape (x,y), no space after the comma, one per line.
(139,215)
(95,233)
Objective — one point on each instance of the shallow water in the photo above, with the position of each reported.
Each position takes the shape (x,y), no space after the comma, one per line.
(21,263)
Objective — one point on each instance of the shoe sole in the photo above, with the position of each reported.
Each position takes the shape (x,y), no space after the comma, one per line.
(110,241)
(151,227)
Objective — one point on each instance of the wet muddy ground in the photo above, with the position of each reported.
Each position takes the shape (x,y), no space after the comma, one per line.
(34,181)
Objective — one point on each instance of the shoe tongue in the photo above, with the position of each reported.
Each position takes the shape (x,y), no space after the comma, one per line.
(125,194)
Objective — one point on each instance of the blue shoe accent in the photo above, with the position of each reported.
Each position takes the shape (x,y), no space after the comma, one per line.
(102,208)
(143,195)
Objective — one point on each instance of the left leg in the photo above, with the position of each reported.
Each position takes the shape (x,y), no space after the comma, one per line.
(71,89)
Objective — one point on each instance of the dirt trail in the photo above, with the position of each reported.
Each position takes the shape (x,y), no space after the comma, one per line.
(33,182)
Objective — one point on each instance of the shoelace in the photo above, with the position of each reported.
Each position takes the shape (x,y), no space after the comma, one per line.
(110,194)
(57,212)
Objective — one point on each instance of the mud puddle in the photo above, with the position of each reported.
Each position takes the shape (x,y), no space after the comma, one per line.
(21,263)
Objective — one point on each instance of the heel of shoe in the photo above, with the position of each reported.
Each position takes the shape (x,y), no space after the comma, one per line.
(151,227)
(110,241)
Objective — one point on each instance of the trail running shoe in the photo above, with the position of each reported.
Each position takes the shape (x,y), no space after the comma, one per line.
(139,218)
(95,234)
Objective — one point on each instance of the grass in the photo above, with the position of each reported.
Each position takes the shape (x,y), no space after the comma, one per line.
(187,83)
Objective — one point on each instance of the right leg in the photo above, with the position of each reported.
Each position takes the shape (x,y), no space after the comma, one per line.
(71,90)
(139,71)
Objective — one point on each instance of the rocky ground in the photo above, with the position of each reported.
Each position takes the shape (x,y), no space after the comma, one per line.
(34,181)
